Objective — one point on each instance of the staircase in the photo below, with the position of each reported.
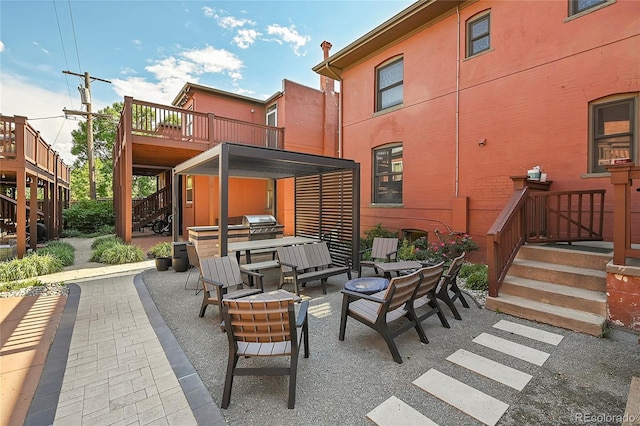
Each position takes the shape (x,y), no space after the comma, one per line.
(561,285)
(155,206)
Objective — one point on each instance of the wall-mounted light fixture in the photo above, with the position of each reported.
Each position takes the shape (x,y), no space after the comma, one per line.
(482,142)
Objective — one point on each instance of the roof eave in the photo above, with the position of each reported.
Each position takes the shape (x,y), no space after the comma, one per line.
(391,31)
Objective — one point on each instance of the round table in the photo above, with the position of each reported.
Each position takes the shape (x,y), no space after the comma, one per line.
(367,285)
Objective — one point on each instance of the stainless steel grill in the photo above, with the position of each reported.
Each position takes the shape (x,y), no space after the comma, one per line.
(262,226)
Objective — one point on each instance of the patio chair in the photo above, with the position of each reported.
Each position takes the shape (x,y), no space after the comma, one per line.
(426,295)
(448,290)
(222,279)
(383,308)
(264,329)
(382,250)
(194,262)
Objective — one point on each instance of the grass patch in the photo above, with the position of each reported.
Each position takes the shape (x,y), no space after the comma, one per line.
(18,285)
(29,266)
(61,250)
(475,276)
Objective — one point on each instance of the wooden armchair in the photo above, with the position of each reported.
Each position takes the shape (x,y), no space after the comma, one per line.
(383,308)
(194,262)
(382,250)
(264,329)
(426,295)
(448,290)
(222,279)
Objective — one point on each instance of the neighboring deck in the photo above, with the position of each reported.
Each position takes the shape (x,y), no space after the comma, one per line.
(27,161)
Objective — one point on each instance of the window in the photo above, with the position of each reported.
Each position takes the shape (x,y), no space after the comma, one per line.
(189,186)
(577,6)
(613,133)
(389,85)
(387,175)
(478,38)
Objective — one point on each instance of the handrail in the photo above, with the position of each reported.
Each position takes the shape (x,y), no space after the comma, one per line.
(541,217)
(504,239)
(159,201)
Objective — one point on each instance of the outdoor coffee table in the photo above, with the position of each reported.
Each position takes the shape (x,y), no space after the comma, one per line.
(406,265)
(367,285)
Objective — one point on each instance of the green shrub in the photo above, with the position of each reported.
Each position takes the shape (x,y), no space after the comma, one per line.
(64,251)
(406,251)
(376,231)
(118,254)
(101,244)
(89,216)
(161,250)
(29,266)
(476,276)
(15,285)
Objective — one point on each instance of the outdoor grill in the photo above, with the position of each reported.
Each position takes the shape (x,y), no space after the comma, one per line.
(262,226)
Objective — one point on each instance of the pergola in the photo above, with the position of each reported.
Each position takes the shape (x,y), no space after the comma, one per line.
(327,201)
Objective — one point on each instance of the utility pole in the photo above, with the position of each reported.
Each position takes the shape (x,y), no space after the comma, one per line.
(85,96)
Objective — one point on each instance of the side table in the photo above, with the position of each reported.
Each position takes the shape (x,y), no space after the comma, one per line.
(367,285)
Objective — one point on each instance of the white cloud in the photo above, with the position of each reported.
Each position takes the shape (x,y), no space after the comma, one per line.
(214,60)
(1,46)
(20,97)
(171,73)
(289,35)
(41,48)
(228,22)
(246,38)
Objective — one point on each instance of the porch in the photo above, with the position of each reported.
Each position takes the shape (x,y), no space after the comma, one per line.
(598,291)
(27,161)
(152,139)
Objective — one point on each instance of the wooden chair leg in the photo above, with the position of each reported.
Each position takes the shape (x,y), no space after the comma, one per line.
(228,381)
(435,305)
(204,305)
(391,345)
(444,296)
(293,370)
(412,317)
(343,316)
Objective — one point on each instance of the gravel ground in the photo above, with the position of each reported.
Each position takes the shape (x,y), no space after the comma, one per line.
(584,381)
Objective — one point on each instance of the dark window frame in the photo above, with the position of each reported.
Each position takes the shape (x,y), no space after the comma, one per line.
(381,91)
(471,39)
(379,178)
(575,9)
(613,140)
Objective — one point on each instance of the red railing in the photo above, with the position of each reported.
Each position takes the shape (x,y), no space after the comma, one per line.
(18,137)
(541,217)
(165,122)
(625,213)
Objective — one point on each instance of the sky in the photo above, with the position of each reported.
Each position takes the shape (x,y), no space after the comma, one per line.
(149,49)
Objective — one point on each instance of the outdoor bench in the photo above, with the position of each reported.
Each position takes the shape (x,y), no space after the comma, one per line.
(308,262)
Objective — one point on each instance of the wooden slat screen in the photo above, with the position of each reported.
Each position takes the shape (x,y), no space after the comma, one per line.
(324,209)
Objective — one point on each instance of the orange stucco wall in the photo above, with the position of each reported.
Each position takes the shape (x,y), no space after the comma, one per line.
(246,196)
(302,112)
(528,97)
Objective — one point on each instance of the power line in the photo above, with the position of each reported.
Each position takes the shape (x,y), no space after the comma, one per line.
(75,40)
(64,51)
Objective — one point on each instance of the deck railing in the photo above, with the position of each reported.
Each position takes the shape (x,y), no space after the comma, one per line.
(539,216)
(624,210)
(165,122)
(18,138)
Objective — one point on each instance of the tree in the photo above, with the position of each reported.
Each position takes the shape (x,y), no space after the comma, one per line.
(104,136)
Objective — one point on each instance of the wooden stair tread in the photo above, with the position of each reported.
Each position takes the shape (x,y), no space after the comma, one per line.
(597,296)
(558,311)
(560,268)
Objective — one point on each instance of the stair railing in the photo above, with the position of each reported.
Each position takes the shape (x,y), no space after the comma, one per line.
(541,217)
(150,207)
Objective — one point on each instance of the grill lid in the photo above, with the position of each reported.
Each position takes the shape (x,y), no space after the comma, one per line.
(258,220)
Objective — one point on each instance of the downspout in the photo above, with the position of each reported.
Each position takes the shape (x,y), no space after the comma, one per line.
(457,190)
